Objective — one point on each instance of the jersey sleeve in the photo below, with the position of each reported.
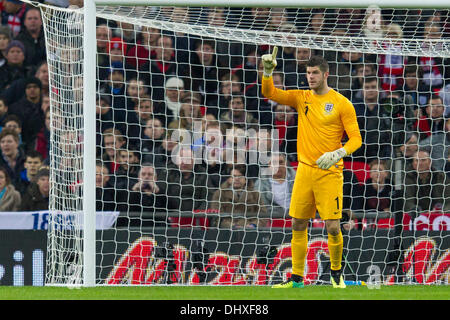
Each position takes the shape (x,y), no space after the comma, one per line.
(351,127)
(285,97)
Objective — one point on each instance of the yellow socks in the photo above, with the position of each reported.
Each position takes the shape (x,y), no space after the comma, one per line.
(299,247)
(335,247)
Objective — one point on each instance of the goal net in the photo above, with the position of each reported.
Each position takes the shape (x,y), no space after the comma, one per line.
(194,167)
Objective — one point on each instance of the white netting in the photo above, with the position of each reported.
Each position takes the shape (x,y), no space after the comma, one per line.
(168,78)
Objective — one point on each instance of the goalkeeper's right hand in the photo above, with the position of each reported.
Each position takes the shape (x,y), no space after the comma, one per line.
(270,62)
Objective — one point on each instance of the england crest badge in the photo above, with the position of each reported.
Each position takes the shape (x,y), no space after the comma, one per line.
(328,107)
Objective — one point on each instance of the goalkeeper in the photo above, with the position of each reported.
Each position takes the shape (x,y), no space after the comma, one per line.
(323,116)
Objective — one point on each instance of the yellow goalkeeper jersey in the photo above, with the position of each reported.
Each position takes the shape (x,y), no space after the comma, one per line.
(322,120)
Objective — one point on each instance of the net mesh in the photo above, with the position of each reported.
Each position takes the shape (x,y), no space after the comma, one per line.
(187,145)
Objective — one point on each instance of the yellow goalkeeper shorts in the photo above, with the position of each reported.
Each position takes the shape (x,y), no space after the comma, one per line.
(317,190)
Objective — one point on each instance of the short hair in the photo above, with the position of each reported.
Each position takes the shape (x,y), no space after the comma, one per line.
(378,162)
(435,96)
(7,177)
(34,154)
(370,79)
(12,117)
(8,132)
(208,42)
(318,61)
(114,133)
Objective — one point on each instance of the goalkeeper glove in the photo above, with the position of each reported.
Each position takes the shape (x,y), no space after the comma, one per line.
(328,159)
(269,62)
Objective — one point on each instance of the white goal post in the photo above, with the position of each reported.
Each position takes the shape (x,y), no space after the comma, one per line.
(75,115)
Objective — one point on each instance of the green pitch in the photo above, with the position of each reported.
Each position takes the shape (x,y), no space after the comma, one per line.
(397,292)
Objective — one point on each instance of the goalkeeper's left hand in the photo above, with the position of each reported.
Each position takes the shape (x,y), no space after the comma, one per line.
(328,159)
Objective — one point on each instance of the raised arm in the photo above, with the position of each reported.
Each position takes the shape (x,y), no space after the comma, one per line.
(286,97)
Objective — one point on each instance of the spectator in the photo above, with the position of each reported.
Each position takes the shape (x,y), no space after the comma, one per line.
(239,205)
(237,115)
(16,90)
(126,32)
(10,198)
(12,156)
(352,199)
(32,37)
(411,145)
(433,121)
(447,167)
(434,70)
(5,39)
(228,52)
(135,90)
(438,144)
(237,152)
(249,69)
(144,49)
(104,115)
(37,195)
(12,14)
(258,17)
(152,137)
(103,35)
(162,67)
(113,141)
(128,161)
(278,20)
(286,125)
(229,83)
(362,71)
(45,103)
(33,162)
(187,188)
(295,71)
(414,86)
(145,193)
(174,92)
(42,74)
(14,67)
(375,131)
(3,110)
(377,189)
(12,122)
(391,66)
(444,93)
(116,51)
(259,106)
(276,189)
(399,110)
(142,112)
(183,42)
(342,70)
(42,142)
(317,23)
(115,87)
(204,71)
(426,189)
(350,20)
(114,84)
(163,153)
(29,111)
(104,189)
(212,154)
(190,114)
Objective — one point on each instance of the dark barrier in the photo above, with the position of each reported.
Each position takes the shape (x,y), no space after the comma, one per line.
(190,256)
(22,257)
(187,256)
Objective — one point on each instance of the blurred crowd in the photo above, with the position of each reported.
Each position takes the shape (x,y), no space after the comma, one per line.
(182,125)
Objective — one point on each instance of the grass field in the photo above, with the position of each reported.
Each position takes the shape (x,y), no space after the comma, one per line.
(399,292)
